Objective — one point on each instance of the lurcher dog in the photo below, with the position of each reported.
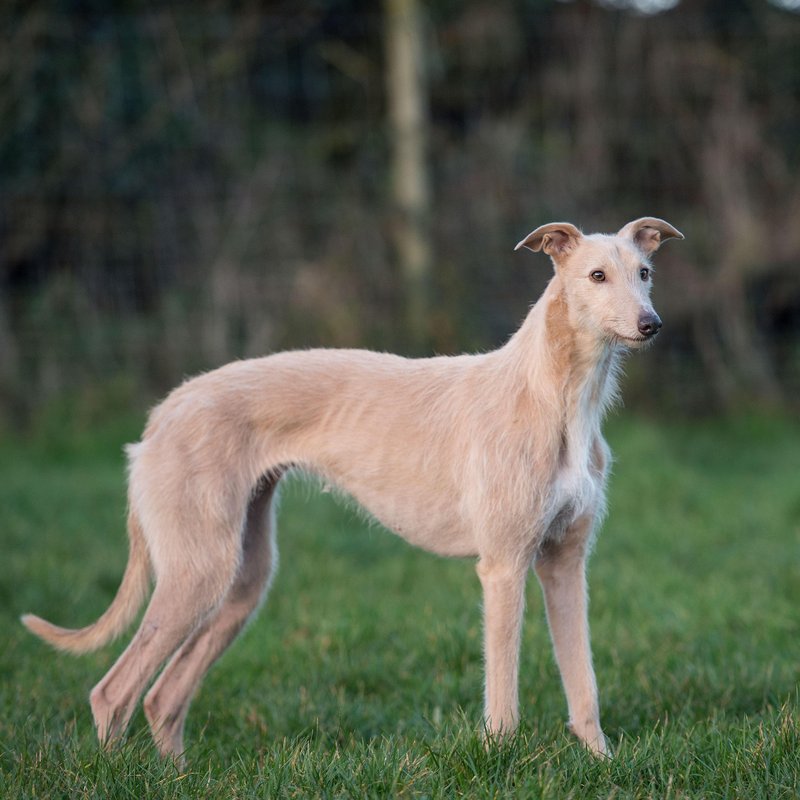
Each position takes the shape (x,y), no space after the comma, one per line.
(498,457)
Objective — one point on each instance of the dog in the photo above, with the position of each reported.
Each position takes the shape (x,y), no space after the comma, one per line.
(498,457)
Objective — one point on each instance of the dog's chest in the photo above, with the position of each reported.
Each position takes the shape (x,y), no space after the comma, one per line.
(578,488)
(579,483)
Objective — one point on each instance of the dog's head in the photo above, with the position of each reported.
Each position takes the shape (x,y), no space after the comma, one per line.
(607,279)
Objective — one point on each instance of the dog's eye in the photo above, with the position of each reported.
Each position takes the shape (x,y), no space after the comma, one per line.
(598,276)
(644,273)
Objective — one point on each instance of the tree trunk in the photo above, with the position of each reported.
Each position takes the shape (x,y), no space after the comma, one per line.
(410,188)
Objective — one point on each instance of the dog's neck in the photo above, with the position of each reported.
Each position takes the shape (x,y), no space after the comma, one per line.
(562,366)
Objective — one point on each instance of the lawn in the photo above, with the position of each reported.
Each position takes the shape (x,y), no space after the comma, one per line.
(362,675)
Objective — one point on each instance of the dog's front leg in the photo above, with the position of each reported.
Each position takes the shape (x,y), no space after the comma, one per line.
(561,568)
(503,600)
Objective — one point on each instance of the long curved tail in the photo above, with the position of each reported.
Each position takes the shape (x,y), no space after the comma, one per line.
(116,618)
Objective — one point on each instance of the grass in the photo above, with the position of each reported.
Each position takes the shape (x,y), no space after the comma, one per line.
(362,675)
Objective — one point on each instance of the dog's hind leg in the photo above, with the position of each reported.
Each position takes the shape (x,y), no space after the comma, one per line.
(190,584)
(167,703)
(561,569)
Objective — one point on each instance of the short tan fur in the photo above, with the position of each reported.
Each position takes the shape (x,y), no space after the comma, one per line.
(498,457)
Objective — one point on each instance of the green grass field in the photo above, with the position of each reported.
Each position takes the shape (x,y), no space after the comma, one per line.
(362,675)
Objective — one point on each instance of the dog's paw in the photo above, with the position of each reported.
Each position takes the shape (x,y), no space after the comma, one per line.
(593,739)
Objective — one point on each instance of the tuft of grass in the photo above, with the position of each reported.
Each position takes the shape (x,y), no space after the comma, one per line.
(362,676)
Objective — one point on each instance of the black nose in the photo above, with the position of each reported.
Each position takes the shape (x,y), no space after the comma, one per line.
(649,324)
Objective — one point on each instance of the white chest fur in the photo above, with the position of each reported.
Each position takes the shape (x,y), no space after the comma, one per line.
(579,486)
(580,479)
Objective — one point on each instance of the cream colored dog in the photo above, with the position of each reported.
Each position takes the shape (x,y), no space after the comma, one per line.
(498,457)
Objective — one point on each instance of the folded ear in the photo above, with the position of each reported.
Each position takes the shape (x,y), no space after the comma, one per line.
(647,233)
(556,239)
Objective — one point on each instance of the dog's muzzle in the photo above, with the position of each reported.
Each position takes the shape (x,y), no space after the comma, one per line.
(649,324)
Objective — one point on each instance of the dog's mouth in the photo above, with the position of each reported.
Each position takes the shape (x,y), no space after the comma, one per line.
(635,342)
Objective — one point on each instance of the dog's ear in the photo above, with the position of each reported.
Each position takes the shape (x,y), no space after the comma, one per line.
(647,233)
(556,239)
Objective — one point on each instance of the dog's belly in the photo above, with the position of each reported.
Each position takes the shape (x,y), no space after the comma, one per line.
(423,512)
(431,521)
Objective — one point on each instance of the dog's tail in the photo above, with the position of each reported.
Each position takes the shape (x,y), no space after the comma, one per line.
(117,617)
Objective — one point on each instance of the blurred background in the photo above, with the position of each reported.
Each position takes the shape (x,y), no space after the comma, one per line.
(185,184)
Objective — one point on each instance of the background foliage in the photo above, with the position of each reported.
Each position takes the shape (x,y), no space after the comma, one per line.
(184,185)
